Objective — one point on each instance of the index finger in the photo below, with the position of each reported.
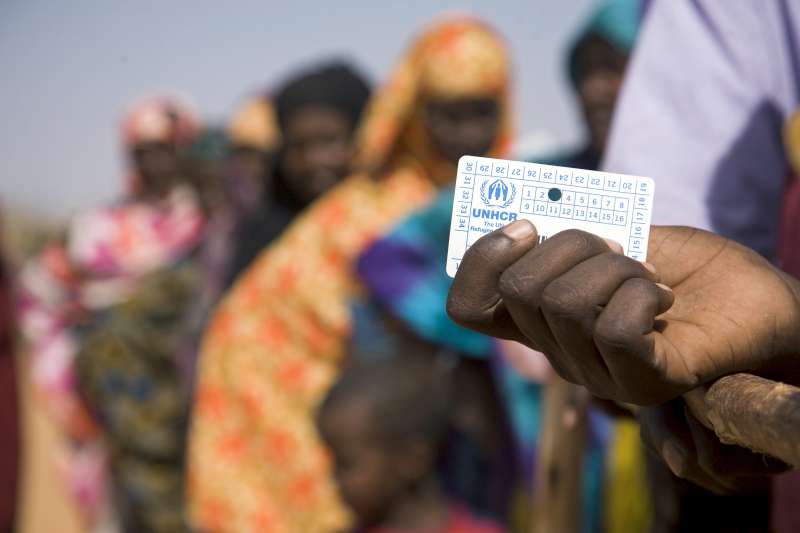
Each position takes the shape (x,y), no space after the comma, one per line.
(474,300)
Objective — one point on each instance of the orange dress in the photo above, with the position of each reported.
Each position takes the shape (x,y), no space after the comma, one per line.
(276,342)
(253,428)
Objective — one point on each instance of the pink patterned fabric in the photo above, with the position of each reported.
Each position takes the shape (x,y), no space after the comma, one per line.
(103,255)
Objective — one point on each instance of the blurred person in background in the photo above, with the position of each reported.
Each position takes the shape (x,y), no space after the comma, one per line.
(405,276)
(405,297)
(207,166)
(386,422)
(102,311)
(596,64)
(9,413)
(276,343)
(317,112)
(253,138)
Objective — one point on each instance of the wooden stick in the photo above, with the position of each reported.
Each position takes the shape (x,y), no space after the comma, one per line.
(752,412)
(558,494)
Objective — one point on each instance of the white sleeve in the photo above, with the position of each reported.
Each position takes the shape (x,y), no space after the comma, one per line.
(697,115)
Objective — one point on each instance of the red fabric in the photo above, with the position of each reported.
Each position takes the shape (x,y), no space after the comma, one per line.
(789,244)
(9,429)
(786,488)
(786,502)
(459,521)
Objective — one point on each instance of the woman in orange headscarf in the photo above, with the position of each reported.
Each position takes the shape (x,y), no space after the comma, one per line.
(278,339)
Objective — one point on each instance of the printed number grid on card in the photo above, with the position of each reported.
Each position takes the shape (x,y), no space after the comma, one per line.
(491,193)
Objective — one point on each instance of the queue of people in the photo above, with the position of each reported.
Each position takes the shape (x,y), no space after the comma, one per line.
(260,336)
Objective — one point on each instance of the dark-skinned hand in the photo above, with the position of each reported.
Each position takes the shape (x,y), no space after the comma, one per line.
(702,308)
(693,452)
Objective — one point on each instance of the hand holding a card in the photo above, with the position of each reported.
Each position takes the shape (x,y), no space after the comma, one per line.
(703,307)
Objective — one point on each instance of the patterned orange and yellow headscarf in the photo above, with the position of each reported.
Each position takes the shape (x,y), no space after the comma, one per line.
(456,58)
(254,125)
(277,340)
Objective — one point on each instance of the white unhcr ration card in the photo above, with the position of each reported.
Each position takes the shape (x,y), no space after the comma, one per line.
(491,193)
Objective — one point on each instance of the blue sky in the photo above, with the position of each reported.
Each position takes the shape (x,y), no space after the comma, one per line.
(69,69)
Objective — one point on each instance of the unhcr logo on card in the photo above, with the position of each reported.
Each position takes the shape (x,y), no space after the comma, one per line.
(498,193)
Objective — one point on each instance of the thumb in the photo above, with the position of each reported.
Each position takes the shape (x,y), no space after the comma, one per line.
(474,300)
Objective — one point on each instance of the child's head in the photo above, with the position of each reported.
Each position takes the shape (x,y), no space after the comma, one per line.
(384,422)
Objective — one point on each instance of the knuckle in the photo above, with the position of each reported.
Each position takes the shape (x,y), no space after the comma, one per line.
(617,262)
(578,238)
(563,299)
(462,312)
(516,286)
(614,332)
(454,308)
(624,329)
(641,285)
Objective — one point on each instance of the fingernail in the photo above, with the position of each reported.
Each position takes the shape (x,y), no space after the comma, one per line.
(614,245)
(665,287)
(675,457)
(519,229)
(651,267)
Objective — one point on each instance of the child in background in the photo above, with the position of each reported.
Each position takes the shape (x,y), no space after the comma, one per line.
(385,422)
